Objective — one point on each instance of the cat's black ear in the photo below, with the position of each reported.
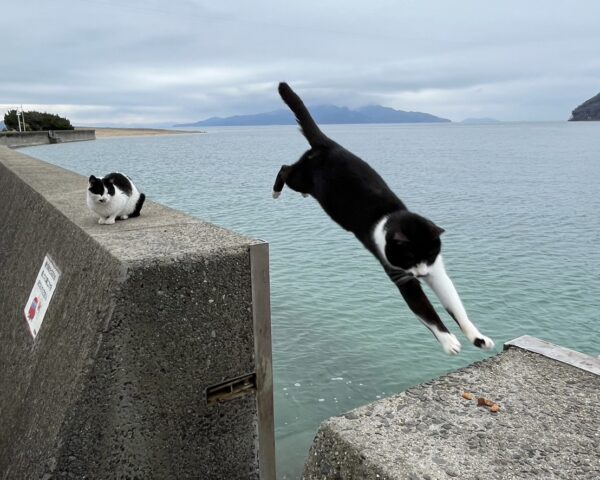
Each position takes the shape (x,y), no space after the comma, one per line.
(437,231)
(399,237)
(92,179)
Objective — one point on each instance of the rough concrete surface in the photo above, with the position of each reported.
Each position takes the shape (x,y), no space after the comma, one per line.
(547,427)
(147,314)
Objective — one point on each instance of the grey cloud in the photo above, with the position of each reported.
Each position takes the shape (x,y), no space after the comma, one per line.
(188,60)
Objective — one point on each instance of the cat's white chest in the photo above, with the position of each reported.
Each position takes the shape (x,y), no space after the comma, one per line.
(379,239)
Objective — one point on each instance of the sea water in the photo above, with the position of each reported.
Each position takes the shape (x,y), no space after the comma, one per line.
(520,203)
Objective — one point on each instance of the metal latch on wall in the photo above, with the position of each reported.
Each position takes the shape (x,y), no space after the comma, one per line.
(231,389)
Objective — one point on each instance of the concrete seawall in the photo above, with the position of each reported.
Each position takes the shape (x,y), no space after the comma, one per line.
(153,359)
(547,427)
(31,139)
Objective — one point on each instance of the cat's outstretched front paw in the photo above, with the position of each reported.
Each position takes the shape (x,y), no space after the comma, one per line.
(101,221)
(450,343)
(276,194)
(484,342)
(109,221)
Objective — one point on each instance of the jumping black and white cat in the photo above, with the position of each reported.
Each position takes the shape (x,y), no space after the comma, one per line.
(406,244)
(113,197)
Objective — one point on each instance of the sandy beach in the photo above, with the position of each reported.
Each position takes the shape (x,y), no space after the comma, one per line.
(136,132)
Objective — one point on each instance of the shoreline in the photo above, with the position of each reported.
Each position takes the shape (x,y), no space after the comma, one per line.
(102,132)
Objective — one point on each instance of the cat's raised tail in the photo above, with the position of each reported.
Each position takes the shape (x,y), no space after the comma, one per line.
(310,130)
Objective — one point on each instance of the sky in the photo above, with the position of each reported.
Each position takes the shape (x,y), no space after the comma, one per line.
(149,62)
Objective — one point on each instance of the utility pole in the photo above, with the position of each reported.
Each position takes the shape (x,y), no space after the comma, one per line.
(18,119)
(23,118)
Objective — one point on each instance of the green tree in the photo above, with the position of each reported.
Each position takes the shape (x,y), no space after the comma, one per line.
(35,121)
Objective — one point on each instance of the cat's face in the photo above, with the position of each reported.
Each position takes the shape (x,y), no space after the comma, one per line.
(99,191)
(412,242)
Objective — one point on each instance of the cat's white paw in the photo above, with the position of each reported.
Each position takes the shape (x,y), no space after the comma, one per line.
(124,217)
(109,221)
(450,343)
(483,342)
(101,221)
(276,194)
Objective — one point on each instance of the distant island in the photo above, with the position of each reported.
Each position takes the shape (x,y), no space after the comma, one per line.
(587,111)
(323,114)
(483,120)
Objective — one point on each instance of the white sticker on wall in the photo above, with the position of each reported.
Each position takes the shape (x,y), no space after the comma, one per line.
(41,294)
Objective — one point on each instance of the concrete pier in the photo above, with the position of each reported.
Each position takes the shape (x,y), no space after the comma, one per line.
(153,359)
(548,426)
(30,139)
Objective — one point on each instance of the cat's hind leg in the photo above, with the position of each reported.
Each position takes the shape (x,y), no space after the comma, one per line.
(442,285)
(280,180)
(413,294)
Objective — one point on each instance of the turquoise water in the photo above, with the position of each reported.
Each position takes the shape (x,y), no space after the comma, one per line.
(520,204)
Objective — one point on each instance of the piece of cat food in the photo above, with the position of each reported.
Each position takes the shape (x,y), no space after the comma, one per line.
(484,402)
(467,396)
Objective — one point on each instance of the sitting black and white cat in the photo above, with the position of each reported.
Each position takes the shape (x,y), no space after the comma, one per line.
(113,197)
(358,199)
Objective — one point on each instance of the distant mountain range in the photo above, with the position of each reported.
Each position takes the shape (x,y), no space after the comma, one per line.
(323,114)
(588,110)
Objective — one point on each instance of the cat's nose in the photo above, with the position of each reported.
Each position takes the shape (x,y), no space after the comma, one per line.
(102,200)
(422,271)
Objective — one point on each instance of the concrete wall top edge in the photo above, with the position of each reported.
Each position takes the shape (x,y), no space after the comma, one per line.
(159,233)
(37,132)
(556,352)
